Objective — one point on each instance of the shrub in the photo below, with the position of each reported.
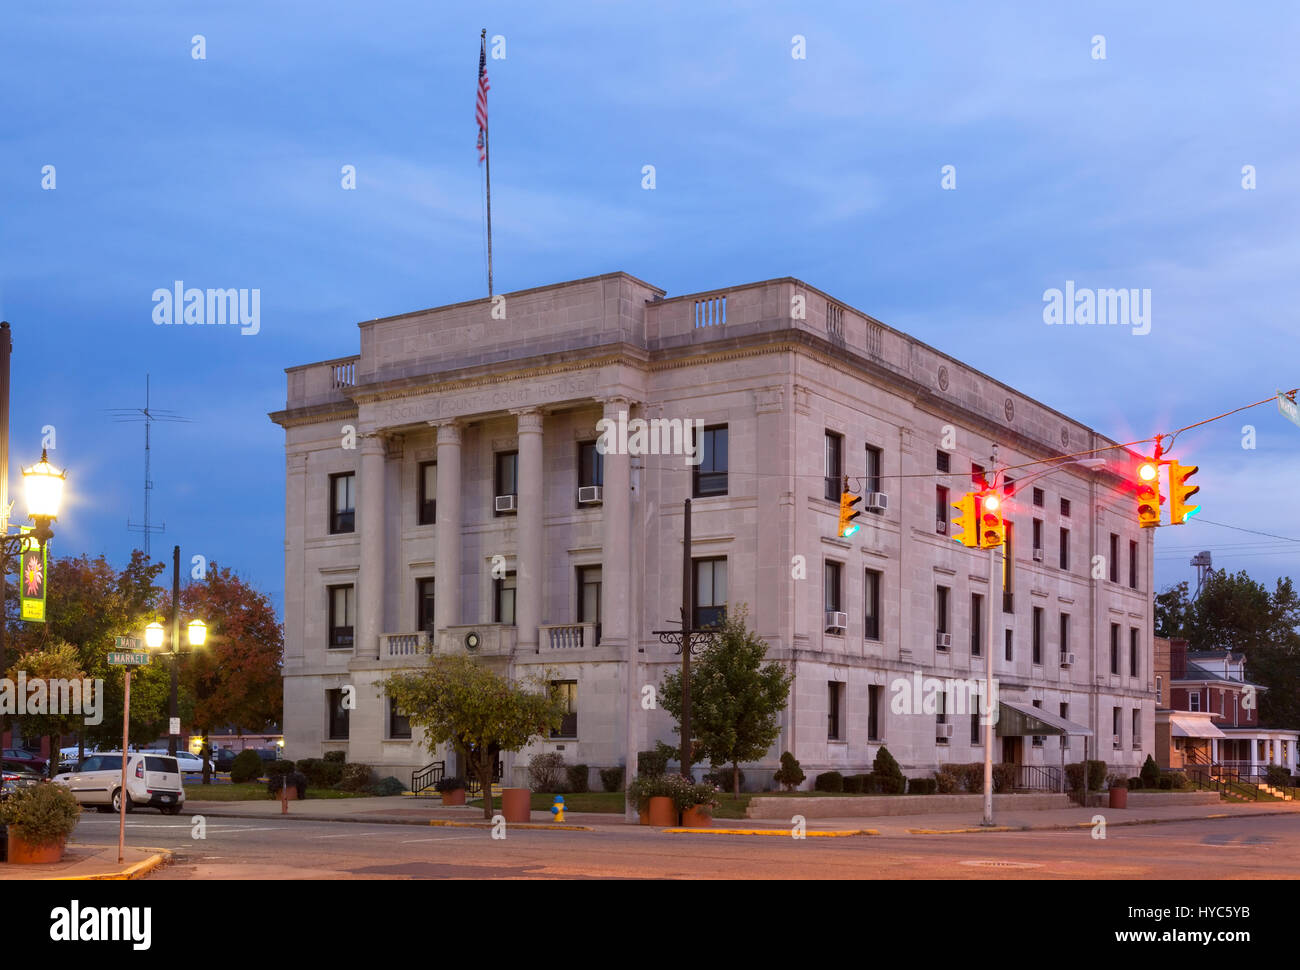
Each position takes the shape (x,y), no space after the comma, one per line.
(888,773)
(922,786)
(450,783)
(1135,783)
(645,787)
(579,778)
(948,779)
(1150,773)
(321,773)
(650,763)
(1096,775)
(789,776)
(41,815)
(855,784)
(545,771)
(831,781)
(1278,776)
(972,776)
(294,779)
(1116,781)
(722,778)
(1166,783)
(1004,778)
(338,757)
(246,767)
(611,779)
(356,777)
(387,786)
(275,769)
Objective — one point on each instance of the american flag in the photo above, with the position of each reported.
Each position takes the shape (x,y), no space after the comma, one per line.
(480,102)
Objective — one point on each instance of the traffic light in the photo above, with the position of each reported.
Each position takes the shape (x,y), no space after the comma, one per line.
(848,513)
(992,530)
(965,521)
(1148,494)
(1180,492)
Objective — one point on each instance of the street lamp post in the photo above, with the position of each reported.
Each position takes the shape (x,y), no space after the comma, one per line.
(155,635)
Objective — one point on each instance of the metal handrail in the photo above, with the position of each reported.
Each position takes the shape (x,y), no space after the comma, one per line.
(1039,778)
(428,776)
(474,787)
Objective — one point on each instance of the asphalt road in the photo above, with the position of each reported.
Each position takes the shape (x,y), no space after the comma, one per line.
(1231,848)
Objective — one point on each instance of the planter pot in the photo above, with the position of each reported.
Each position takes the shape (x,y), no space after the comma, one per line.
(516,804)
(645,815)
(1119,798)
(697,817)
(25,854)
(662,812)
(455,797)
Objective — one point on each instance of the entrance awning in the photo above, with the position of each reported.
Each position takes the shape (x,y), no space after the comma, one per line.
(1021,719)
(1182,726)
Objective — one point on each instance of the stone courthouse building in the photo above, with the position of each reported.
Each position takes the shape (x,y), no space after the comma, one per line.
(444,493)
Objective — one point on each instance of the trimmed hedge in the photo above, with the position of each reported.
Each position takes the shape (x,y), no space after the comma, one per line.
(579,778)
(831,781)
(888,774)
(790,775)
(339,757)
(612,778)
(650,764)
(247,767)
(321,773)
(922,786)
(356,777)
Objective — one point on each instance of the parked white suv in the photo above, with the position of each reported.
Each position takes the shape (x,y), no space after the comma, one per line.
(152,780)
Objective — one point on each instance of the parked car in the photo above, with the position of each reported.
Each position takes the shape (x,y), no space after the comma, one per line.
(15,776)
(29,758)
(223,758)
(188,762)
(152,780)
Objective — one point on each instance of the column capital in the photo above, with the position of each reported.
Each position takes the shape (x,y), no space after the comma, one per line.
(448,431)
(529,419)
(615,403)
(373,444)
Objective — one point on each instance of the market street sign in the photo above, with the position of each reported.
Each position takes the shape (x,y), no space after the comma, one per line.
(128,659)
(1287,407)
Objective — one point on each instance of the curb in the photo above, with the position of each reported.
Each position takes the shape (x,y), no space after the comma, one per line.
(782,832)
(1068,826)
(141,869)
(978,828)
(514,825)
(389,821)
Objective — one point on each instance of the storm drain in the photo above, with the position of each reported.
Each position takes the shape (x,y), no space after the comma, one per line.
(1000,864)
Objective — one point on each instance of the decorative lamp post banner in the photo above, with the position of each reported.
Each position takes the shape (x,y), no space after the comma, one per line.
(35,570)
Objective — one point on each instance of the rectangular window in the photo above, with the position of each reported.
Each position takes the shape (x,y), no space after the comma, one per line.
(567,692)
(1065,548)
(941,461)
(977,481)
(424,615)
(1007,645)
(1114,558)
(941,717)
(834,711)
(710,592)
(1132,651)
(1038,497)
(1038,636)
(343,503)
(427,513)
(1115,725)
(504,600)
(871,606)
(1132,565)
(1038,739)
(976,625)
(941,609)
(1137,728)
(1065,716)
(975,729)
(831,594)
(711,473)
(874,694)
(399,725)
(834,465)
(1194,700)
(506,476)
(1160,691)
(1008,570)
(1038,539)
(872,483)
(589,579)
(1065,633)
(1114,648)
(941,507)
(591,465)
(337,715)
(342,618)
(1065,508)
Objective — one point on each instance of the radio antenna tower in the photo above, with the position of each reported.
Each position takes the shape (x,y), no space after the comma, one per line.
(148,415)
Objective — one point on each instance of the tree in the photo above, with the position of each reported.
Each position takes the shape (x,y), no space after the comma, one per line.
(56,662)
(736,699)
(1232,613)
(234,678)
(457,701)
(1172,612)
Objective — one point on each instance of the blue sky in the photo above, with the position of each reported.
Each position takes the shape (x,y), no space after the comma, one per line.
(225,172)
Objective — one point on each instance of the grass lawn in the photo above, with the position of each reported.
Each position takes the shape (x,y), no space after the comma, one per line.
(252,791)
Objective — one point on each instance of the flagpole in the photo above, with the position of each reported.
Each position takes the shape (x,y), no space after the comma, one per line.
(487,160)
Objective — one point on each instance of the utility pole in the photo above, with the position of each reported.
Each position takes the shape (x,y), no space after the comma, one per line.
(6,348)
(176,647)
(688,614)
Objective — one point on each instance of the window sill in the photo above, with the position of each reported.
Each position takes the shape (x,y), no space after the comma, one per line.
(837,741)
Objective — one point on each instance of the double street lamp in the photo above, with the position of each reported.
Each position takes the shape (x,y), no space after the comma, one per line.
(43,485)
(154,635)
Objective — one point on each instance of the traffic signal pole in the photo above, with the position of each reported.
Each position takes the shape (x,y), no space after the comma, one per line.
(988,693)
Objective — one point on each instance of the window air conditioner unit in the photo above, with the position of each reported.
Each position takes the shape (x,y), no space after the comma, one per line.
(590,495)
(941,527)
(876,500)
(1067,660)
(942,732)
(943,641)
(1038,555)
(506,503)
(836,620)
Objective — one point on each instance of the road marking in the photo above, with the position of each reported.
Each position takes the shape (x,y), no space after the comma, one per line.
(349,835)
(448,838)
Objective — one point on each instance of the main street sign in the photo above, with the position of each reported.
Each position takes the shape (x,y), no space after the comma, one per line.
(124,659)
(1287,407)
(128,643)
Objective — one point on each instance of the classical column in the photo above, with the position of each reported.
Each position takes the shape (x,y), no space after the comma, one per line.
(616,545)
(528,611)
(446,583)
(370,528)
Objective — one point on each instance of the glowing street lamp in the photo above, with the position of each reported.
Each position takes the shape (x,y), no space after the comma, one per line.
(154,635)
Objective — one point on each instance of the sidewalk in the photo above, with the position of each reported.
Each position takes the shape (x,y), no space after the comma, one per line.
(92,862)
(405,810)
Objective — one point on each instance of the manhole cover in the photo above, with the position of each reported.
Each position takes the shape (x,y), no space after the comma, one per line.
(999,864)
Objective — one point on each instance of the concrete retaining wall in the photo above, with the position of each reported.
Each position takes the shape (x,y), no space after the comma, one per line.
(1147,799)
(855,806)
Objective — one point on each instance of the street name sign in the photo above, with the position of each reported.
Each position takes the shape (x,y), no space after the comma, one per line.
(123,659)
